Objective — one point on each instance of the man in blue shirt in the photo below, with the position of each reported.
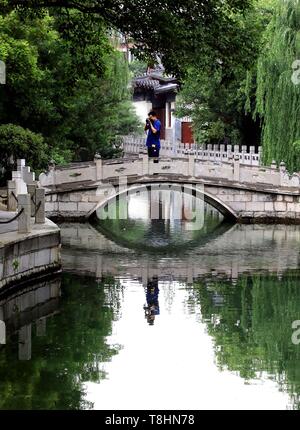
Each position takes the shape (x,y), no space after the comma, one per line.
(152,307)
(153,126)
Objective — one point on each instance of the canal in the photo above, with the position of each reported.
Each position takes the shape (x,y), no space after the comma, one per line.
(154,315)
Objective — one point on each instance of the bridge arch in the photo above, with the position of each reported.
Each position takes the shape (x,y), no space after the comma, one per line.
(199,192)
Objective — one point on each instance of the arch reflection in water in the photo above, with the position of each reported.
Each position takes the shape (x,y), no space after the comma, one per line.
(229,253)
(159,219)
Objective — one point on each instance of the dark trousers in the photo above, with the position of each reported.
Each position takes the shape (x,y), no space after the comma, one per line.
(153,152)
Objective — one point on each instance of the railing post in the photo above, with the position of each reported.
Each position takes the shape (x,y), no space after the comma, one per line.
(28,176)
(229,153)
(99,169)
(222,151)
(236,167)
(215,151)
(31,190)
(20,164)
(260,155)
(252,152)
(191,165)
(244,152)
(51,166)
(21,187)
(24,219)
(274,165)
(40,205)
(145,161)
(11,201)
(282,167)
(282,170)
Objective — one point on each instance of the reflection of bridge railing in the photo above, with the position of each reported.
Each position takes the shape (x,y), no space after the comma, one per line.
(33,305)
(88,252)
(222,153)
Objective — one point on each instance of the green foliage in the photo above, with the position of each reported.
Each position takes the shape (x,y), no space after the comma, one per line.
(72,352)
(252,328)
(178,31)
(277,96)
(213,92)
(15,264)
(99,111)
(137,68)
(61,156)
(17,142)
(296,148)
(65,82)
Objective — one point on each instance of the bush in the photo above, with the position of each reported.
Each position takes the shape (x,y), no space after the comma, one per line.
(17,142)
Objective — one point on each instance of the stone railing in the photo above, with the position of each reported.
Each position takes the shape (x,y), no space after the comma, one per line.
(222,153)
(24,200)
(235,171)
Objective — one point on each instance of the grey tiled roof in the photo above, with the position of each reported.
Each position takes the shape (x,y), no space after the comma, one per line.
(146,82)
(155,81)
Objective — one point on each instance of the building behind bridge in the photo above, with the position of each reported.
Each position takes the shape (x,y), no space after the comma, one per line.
(152,90)
(155,91)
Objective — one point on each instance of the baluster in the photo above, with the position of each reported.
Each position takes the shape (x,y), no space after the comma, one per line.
(216,152)
(252,152)
(244,152)
(222,152)
(209,150)
(229,153)
(260,155)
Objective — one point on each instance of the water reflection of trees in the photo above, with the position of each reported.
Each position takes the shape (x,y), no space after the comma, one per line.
(251,324)
(72,352)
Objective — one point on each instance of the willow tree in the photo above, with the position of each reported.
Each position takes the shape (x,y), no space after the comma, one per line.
(278,86)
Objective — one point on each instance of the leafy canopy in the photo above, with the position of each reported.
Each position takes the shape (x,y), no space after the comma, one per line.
(177,31)
(66,84)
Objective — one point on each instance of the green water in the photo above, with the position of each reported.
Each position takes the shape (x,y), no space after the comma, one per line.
(216,332)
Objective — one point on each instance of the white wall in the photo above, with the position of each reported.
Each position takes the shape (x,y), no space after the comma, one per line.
(170,132)
(142,109)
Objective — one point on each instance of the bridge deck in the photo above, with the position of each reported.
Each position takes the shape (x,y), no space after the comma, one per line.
(169,178)
(246,192)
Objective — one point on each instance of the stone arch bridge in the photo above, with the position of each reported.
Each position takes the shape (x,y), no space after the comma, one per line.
(245,193)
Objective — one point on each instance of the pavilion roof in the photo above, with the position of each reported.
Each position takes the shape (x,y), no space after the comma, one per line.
(155,80)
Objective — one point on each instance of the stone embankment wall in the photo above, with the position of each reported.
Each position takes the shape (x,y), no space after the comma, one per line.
(31,255)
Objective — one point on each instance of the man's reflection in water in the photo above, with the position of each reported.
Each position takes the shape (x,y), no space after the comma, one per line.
(152,306)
